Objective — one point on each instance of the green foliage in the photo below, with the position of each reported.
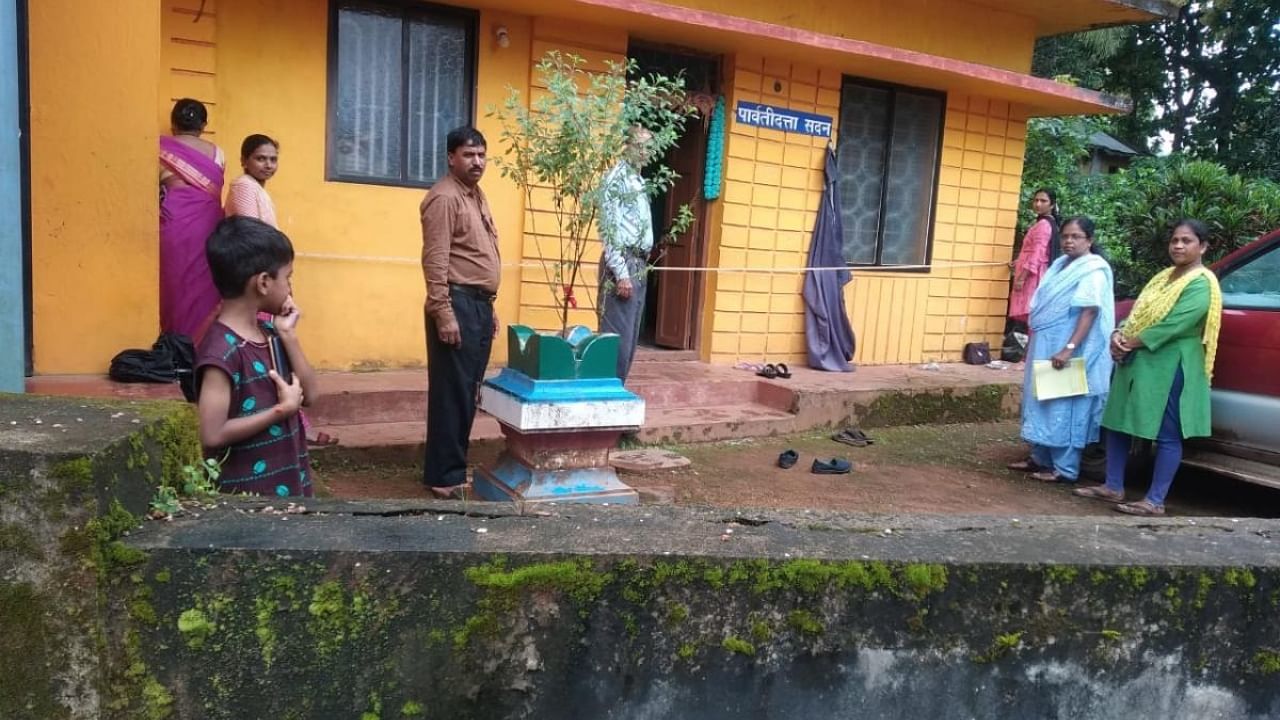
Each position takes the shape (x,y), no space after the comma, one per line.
(1206,82)
(735,644)
(568,138)
(1267,662)
(199,481)
(1135,209)
(196,627)
(804,622)
(1003,644)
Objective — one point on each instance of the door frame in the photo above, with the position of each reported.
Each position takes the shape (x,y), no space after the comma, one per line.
(701,249)
(24,153)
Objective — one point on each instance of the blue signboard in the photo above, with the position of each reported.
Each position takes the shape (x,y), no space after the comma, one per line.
(767,116)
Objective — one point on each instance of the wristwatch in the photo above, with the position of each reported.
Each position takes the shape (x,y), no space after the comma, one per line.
(1071,346)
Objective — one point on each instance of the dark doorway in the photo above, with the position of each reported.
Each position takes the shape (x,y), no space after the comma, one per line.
(24,148)
(673,311)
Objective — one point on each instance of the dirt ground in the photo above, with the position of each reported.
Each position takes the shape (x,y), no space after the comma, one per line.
(943,469)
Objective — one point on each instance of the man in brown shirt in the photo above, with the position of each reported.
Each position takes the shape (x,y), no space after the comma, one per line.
(461,265)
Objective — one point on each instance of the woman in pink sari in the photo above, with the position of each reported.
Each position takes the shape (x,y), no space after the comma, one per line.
(191,177)
(1039,248)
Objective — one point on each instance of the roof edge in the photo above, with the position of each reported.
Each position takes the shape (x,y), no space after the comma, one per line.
(1042,96)
(1158,10)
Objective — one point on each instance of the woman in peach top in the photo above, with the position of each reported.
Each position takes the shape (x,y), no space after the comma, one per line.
(1039,248)
(259,156)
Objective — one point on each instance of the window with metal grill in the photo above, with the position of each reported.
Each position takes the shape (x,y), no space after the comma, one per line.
(887,156)
(401,76)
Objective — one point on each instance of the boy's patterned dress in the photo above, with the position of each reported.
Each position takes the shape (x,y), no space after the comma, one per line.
(273,462)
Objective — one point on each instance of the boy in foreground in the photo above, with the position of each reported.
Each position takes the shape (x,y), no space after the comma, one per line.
(248,412)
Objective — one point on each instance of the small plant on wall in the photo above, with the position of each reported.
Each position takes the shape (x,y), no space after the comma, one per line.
(561,145)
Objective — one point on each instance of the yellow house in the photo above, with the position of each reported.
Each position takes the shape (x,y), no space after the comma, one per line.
(927,103)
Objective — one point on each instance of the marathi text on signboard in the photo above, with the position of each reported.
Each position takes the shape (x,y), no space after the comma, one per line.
(767,116)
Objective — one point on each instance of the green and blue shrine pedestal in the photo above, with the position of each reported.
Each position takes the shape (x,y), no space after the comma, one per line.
(562,409)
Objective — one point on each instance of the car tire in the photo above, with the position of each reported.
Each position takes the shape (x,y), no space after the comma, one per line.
(1093,461)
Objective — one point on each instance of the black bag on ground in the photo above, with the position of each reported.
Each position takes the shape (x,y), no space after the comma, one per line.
(978,353)
(1014,347)
(171,359)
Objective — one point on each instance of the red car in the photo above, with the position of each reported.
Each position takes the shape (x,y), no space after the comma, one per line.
(1246,378)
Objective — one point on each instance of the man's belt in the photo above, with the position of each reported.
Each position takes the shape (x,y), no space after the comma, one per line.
(474,291)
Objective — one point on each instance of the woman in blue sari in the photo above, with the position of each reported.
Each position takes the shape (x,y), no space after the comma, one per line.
(1072,315)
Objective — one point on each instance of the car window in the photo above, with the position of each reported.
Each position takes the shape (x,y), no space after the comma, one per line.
(1254,285)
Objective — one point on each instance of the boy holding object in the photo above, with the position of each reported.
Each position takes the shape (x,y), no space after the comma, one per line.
(248,411)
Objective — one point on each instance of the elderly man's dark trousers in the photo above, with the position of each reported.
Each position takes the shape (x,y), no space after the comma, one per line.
(453,376)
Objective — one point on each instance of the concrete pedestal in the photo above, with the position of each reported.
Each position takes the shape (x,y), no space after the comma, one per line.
(559,434)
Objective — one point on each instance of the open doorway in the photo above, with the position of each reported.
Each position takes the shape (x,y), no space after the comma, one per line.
(673,310)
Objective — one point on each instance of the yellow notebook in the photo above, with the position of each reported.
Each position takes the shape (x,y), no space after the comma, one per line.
(1070,381)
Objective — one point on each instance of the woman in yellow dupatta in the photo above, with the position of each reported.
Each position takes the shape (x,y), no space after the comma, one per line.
(1165,352)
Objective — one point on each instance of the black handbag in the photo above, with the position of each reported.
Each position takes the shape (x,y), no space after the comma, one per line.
(170,359)
(977,353)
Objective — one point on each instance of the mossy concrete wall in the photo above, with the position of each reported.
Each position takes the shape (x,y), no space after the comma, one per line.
(390,610)
(75,478)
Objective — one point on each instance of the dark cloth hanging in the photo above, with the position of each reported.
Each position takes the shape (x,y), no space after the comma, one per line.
(828,333)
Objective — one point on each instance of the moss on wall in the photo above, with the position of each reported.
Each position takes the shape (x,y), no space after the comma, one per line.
(984,403)
(72,604)
(279,632)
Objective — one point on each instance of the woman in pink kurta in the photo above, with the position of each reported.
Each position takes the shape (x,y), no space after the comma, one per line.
(1038,250)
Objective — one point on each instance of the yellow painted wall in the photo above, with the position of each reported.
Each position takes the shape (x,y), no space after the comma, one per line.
(539,306)
(188,59)
(272,79)
(773,184)
(94,226)
(262,66)
(950,28)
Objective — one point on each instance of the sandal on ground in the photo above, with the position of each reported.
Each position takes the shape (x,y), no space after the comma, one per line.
(784,372)
(770,371)
(1100,492)
(1144,508)
(788,459)
(836,466)
(1049,476)
(852,436)
(450,492)
(322,439)
(1027,466)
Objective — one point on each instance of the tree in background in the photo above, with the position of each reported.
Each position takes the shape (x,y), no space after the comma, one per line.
(1206,82)
(1135,209)
(562,142)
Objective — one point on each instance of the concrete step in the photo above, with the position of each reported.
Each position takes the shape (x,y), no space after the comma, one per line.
(663,425)
(379,401)
(711,423)
(686,401)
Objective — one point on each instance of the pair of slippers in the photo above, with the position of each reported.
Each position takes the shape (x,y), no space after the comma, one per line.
(853,436)
(772,371)
(834,466)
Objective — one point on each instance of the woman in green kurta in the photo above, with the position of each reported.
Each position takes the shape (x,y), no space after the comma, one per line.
(1164,353)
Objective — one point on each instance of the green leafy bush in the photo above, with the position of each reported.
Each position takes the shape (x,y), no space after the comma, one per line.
(562,142)
(1135,209)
